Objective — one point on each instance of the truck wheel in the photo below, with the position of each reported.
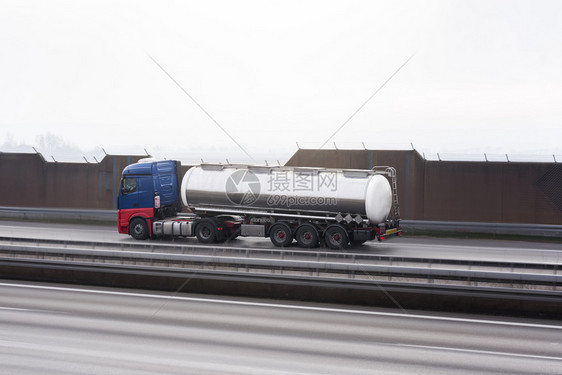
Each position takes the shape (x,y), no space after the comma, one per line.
(138,229)
(336,237)
(206,232)
(307,236)
(281,235)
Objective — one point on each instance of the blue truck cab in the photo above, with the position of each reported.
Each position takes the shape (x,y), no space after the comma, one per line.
(149,190)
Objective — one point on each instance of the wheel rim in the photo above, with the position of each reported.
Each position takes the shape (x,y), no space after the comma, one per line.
(138,229)
(336,238)
(205,232)
(307,238)
(280,235)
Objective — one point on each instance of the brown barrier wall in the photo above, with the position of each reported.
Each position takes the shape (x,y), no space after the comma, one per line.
(29,181)
(428,190)
(494,192)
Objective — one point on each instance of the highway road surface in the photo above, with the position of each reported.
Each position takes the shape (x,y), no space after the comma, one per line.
(57,329)
(417,247)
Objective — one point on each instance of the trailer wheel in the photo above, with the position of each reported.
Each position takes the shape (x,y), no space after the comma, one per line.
(138,229)
(280,235)
(336,237)
(307,236)
(206,232)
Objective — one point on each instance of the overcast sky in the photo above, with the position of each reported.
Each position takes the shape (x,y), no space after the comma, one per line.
(485,76)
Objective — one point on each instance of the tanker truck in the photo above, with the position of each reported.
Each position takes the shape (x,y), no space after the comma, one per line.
(312,206)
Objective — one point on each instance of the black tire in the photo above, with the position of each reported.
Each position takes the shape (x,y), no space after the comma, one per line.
(281,235)
(206,231)
(138,229)
(307,236)
(336,237)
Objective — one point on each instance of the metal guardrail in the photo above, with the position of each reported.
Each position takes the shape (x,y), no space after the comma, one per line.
(318,255)
(543,230)
(386,286)
(531,282)
(42,214)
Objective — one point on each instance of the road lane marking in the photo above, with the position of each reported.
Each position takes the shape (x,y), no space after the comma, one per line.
(476,351)
(14,309)
(31,310)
